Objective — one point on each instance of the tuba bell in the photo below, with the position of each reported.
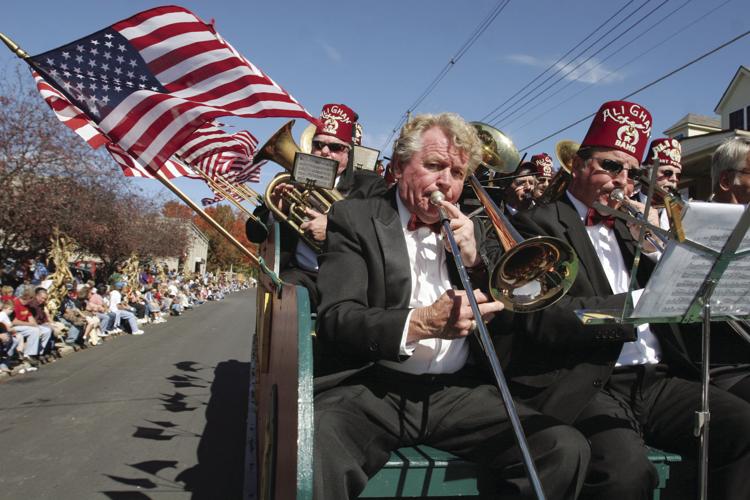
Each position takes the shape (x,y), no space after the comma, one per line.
(534,273)
(281,149)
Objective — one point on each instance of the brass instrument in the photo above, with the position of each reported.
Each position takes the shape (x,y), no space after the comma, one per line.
(531,274)
(281,148)
(660,244)
(672,202)
(565,151)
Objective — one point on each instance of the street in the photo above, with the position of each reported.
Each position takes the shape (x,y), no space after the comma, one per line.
(160,415)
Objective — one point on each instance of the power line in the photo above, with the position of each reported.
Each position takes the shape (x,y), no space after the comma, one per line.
(481,28)
(526,86)
(625,31)
(648,85)
(700,17)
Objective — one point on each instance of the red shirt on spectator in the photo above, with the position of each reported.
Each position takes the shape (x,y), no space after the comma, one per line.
(20,311)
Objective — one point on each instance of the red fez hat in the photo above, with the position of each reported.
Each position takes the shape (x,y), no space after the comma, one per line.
(543,164)
(337,120)
(668,151)
(620,125)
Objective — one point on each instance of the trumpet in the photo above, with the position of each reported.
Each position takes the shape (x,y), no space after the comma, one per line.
(672,202)
(281,149)
(619,195)
(531,274)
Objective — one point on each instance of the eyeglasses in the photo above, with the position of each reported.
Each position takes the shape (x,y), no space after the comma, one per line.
(669,173)
(333,147)
(614,168)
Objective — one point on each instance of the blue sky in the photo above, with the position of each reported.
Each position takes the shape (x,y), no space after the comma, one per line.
(378,57)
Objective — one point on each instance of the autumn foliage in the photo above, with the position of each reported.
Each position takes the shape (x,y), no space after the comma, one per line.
(50,178)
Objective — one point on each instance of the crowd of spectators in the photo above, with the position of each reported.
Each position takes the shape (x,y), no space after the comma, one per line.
(91,312)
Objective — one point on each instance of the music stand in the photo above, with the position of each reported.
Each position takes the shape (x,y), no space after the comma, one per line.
(700,292)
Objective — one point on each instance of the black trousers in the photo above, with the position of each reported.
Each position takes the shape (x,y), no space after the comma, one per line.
(645,406)
(357,425)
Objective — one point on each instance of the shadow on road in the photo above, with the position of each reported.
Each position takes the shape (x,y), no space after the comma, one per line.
(220,469)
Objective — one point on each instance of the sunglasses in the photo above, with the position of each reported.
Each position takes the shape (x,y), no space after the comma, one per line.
(669,173)
(333,147)
(615,167)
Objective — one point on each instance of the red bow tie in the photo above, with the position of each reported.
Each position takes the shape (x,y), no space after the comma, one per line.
(415,223)
(593,218)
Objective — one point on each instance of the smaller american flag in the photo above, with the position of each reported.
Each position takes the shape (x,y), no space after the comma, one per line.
(132,168)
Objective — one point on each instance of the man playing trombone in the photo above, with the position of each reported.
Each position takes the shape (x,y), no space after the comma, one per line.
(396,365)
(622,387)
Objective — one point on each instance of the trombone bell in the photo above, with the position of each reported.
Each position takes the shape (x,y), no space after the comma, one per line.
(534,274)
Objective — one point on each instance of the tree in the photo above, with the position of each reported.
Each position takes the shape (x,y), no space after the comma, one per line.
(178,210)
(50,179)
(222,253)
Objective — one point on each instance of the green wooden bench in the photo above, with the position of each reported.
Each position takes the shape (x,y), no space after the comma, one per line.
(425,472)
(280,440)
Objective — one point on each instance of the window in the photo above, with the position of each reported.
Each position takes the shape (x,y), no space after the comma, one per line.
(747,121)
(737,119)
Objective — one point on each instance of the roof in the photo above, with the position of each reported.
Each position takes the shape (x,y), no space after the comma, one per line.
(742,70)
(695,119)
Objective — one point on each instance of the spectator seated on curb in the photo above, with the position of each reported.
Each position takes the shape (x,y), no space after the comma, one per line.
(37,307)
(122,310)
(93,305)
(25,324)
(175,308)
(136,303)
(73,311)
(9,339)
(153,307)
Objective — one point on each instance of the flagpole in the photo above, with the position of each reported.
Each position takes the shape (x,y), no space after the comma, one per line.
(163,179)
(227,196)
(237,189)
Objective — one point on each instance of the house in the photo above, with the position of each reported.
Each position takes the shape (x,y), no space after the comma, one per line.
(700,135)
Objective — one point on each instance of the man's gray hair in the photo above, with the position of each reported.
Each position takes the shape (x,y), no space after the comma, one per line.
(461,134)
(731,155)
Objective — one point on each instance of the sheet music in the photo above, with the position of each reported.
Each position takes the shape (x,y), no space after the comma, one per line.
(682,269)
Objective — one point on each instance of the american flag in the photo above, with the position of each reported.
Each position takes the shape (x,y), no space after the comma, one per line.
(69,114)
(150,81)
(211,149)
(132,168)
(210,201)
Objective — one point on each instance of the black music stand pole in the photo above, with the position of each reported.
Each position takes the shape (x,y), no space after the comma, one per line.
(489,349)
(701,306)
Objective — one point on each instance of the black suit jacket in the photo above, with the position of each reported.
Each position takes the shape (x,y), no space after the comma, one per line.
(557,363)
(365,287)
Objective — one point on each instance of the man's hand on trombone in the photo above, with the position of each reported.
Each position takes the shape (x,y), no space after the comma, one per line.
(450,316)
(463,231)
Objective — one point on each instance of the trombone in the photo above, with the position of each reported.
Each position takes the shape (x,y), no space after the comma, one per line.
(532,274)
(660,244)
(485,341)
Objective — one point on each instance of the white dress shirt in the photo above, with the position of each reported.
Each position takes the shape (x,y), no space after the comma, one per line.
(645,349)
(429,279)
